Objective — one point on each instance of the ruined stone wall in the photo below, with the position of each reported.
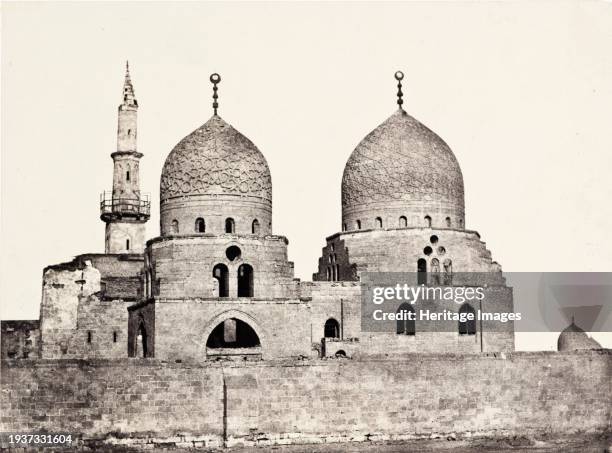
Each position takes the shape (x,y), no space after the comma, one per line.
(311,401)
(84,306)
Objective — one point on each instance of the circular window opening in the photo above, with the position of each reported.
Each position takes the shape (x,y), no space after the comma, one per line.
(233,253)
(433,239)
(441,250)
(427,250)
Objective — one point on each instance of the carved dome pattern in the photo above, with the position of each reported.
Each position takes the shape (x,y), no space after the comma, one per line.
(215,159)
(402,160)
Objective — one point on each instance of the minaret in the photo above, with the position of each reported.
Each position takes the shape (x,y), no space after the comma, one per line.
(125,210)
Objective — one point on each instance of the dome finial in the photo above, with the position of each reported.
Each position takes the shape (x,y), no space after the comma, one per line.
(215,79)
(399,75)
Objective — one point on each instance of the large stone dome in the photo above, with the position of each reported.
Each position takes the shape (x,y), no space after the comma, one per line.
(216,159)
(402,174)
(215,172)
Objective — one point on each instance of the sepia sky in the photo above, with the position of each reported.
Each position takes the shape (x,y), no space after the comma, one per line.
(521,91)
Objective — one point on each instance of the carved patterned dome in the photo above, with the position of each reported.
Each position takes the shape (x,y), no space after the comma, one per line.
(215,159)
(402,169)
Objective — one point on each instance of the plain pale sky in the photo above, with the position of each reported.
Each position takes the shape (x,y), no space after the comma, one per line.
(521,91)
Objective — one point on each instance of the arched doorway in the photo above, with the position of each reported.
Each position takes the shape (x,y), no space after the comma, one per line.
(221,274)
(233,337)
(140,348)
(331,329)
(245,280)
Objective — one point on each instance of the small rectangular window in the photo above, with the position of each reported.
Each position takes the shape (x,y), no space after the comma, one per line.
(89,336)
(114,337)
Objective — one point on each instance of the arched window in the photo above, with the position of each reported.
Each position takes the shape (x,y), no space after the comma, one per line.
(435,271)
(229,225)
(331,329)
(468,326)
(428,221)
(337,272)
(344,227)
(448,222)
(200,225)
(127,244)
(127,175)
(245,281)
(403,222)
(358,224)
(141,342)
(448,271)
(407,325)
(421,272)
(175,227)
(378,222)
(255,227)
(221,274)
(328,274)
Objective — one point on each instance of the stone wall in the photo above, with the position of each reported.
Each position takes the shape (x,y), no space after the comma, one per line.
(310,401)
(84,306)
(20,339)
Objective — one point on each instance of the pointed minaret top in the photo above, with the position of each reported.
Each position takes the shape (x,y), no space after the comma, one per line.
(128,89)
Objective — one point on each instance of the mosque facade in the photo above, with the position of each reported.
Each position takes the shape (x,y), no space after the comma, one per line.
(217,281)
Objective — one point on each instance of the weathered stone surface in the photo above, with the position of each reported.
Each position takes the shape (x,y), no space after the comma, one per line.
(262,403)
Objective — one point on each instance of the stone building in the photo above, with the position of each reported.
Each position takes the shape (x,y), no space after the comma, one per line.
(217,281)
(202,337)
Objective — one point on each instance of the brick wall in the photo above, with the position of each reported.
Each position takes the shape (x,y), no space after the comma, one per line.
(311,401)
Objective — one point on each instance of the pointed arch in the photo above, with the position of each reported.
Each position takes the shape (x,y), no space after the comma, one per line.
(242,316)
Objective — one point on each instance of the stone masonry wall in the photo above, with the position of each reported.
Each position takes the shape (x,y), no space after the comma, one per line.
(310,401)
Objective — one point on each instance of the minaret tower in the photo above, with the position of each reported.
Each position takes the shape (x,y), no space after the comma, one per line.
(125,210)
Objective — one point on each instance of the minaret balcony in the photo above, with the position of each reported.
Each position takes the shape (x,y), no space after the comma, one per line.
(135,207)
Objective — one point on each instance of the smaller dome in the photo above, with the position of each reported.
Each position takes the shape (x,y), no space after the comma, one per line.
(573,338)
